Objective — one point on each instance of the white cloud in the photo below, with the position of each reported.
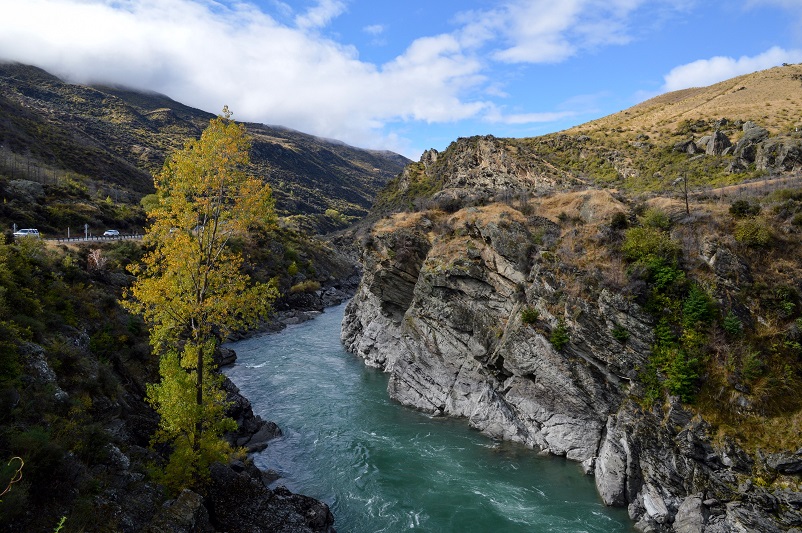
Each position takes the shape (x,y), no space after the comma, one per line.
(544,31)
(206,55)
(320,15)
(374,29)
(709,71)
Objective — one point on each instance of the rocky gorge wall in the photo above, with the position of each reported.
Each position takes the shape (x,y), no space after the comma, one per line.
(440,308)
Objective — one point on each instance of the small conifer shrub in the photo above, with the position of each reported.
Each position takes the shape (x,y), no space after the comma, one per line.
(529,315)
(559,336)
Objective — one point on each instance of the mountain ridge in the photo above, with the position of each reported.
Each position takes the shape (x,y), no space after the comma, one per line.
(115,138)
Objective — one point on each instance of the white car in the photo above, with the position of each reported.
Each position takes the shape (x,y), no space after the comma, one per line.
(29,232)
(111,233)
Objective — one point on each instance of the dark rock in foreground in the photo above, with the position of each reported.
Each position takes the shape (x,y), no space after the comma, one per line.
(240,501)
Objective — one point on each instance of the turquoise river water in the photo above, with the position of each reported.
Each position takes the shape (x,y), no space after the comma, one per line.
(384,467)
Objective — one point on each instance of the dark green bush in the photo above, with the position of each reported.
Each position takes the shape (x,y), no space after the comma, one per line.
(744,208)
(663,275)
(732,325)
(620,334)
(529,315)
(619,221)
(682,372)
(698,309)
(751,366)
(559,336)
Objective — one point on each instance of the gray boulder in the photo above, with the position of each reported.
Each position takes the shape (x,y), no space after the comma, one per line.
(691,515)
(779,153)
(746,147)
(252,433)
(719,142)
(786,463)
(689,147)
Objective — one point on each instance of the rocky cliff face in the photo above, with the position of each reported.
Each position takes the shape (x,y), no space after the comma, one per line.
(510,320)
(664,465)
(444,318)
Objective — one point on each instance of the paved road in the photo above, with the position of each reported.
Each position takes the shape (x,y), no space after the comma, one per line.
(96,238)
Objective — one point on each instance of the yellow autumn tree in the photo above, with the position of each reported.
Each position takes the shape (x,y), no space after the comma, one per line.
(192,291)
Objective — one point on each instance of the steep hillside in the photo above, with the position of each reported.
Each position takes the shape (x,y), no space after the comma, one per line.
(110,140)
(75,428)
(596,294)
(740,130)
(769,97)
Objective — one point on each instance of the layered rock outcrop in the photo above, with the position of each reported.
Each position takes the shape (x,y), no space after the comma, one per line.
(441,309)
(444,319)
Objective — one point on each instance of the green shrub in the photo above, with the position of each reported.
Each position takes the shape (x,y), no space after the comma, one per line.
(655,218)
(619,221)
(308,285)
(650,379)
(664,275)
(682,372)
(103,343)
(732,325)
(529,315)
(664,334)
(698,308)
(644,245)
(753,232)
(751,366)
(559,336)
(744,208)
(784,301)
(620,334)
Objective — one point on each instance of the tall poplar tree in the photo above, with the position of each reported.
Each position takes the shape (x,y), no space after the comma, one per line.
(192,291)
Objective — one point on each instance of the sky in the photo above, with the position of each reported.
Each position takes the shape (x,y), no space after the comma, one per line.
(404,75)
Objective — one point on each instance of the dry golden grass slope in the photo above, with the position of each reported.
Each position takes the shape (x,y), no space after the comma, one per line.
(772,98)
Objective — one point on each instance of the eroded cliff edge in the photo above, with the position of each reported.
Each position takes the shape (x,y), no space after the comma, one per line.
(521,316)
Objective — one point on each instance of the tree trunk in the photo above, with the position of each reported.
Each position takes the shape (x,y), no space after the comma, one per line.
(199,403)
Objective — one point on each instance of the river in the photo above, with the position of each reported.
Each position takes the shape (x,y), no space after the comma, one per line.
(384,467)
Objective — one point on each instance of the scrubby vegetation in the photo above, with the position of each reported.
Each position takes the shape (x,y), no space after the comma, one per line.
(71,364)
(722,286)
(74,368)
